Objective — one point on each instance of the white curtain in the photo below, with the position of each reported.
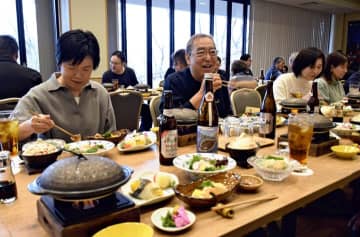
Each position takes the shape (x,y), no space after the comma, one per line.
(279,30)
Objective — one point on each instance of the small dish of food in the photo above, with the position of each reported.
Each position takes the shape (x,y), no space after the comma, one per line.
(250,182)
(90,147)
(272,167)
(345,129)
(115,136)
(150,187)
(173,219)
(207,191)
(204,164)
(137,141)
(345,151)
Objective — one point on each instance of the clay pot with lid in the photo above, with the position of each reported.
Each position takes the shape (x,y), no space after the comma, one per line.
(77,178)
(291,104)
(322,126)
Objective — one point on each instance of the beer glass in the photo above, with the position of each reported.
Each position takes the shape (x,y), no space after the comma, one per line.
(300,132)
(8,191)
(9,132)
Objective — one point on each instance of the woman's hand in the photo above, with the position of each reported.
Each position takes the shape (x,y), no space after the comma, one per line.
(41,123)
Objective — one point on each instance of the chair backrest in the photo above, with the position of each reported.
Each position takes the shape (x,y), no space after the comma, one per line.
(127,107)
(8,103)
(242,98)
(261,89)
(155,109)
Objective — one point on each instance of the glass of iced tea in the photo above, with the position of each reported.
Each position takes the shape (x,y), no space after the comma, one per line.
(9,132)
(300,131)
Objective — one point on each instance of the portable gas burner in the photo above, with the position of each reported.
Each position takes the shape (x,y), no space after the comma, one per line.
(83,218)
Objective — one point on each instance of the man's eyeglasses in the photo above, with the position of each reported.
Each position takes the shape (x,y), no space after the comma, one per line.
(200,53)
(114,63)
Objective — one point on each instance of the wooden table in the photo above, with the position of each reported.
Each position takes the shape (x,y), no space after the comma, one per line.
(20,217)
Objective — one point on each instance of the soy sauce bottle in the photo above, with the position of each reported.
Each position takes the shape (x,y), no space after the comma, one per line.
(168,132)
(268,113)
(313,104)
(207,128)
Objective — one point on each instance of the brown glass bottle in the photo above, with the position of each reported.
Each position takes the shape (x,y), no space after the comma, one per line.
(268,113)
(207,129)
(313,104)
(262,77)
(168,132)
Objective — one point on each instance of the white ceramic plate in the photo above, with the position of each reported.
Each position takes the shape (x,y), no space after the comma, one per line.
(345,128)
(182,162)
(150,135)
(82,145)
(167,193)
(156,219)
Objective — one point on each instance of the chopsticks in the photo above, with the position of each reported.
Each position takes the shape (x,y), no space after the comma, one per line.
(57,126)
(255,200)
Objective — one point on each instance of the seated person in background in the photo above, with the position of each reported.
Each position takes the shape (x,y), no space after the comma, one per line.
(126,77)
(222,73)
(349,77)
(276,69)
(120,71)
(307,66)
(179,63)
(15,80)
(239,78)
(246,58)
(187,85)
(354,78)
(330,87)
(69,98)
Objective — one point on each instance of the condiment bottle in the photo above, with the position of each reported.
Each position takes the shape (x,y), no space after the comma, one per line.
(168,131)
(268,113)
(313,103)
(8,191)
(207,128)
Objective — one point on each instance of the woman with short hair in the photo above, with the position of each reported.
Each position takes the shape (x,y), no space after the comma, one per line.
(69,98)
(330,87)
(307,66)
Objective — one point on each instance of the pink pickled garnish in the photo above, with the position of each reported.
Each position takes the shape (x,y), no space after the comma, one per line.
(180,217)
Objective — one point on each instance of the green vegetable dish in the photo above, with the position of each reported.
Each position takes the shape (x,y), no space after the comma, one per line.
(201,163)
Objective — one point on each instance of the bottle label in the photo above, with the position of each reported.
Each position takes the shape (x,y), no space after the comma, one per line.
(209,97)
(169,142)
(168,112)
(206,139)
(266,122)
(316,109)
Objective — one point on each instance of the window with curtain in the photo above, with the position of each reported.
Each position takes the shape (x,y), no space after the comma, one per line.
(119,25)
(155,66)
(220,30)
(136,38)
(202,17)
(31,37)
(279,30)
(236,33)
(8,19)
(182,23)
(160,43)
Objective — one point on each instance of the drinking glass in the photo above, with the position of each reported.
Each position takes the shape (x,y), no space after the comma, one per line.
(300,132)
(9,132)
(232,127)
(115,83)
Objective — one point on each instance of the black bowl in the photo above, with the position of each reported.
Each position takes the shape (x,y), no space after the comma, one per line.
(240,155)
(40,161)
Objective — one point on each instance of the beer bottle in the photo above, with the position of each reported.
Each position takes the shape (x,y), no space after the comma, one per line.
(168,131)
(268,113)
(207,129)
(262,77)
(313,103)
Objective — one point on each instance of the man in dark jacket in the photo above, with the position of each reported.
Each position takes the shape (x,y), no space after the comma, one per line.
(15,80)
